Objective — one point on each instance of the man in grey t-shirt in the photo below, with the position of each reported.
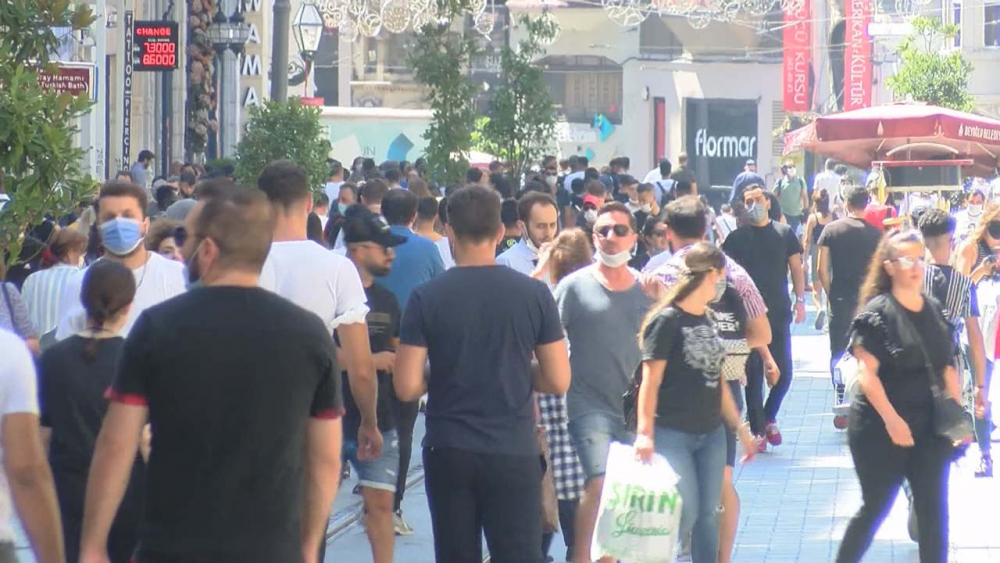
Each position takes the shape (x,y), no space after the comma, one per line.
(601,308)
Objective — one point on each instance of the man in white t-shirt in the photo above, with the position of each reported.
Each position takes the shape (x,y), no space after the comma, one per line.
(539,220)
(122,224)
(829,180)
(332,188)
(26,480)
(325,283)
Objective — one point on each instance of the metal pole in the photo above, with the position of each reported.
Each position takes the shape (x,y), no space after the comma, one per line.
(279,51)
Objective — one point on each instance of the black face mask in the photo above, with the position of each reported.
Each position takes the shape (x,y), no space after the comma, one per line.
(993,228)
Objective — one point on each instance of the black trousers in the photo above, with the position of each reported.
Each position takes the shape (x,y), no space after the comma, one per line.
(759,412)
(407,418)
(567,520)
(841,314)
(881,467)
(472,493)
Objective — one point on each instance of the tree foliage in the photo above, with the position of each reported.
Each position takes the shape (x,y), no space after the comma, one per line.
(278,131)
(522,117)
(440,60)
(928,73)
(40,165)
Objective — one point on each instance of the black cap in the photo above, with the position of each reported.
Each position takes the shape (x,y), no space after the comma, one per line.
(369,227)
(627,180)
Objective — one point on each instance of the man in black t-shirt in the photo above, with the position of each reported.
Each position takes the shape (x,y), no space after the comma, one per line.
(242,391)
(769,251)
(846,247)
(370,246)
(481,458)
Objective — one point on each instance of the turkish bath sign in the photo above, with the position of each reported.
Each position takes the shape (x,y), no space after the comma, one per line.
(720,136)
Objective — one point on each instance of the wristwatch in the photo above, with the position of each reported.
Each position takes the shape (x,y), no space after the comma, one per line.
(800,300)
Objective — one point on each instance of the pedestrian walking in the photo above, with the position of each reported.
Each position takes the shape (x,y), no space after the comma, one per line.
(481,457)
(73,376)
(818,219)
(122,226)
(846,247)
(601,307)
(242,390)
(43,290)
(891,432)
(770,251)
(683,399)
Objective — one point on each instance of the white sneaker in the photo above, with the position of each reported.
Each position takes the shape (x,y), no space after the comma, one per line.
(402,528)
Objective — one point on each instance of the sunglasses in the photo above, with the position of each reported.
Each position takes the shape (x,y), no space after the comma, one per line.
(619,230)
(180,235)
(907,263)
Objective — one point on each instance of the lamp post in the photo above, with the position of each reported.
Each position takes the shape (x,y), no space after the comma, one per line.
(279,51)
(308,31)
(227,34)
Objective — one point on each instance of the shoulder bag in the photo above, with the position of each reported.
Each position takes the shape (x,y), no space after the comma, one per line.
(949,419)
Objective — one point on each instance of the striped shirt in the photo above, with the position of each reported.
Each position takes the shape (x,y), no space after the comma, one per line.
(735,274)
(42,291)
(954,291)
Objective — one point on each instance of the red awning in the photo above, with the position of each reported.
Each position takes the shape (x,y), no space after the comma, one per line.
(902,132)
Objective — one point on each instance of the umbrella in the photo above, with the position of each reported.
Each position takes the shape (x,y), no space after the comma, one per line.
(905,131)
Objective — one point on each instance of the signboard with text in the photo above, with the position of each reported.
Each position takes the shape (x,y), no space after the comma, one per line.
(69,78)
(857,55)
(720,135)
(128,59)
(797,39)
(156,46)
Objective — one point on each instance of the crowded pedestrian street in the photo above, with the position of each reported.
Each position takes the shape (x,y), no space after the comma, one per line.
(796,499)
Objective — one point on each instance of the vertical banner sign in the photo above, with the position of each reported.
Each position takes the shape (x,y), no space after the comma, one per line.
(857,56)
(797,37)
(127,92)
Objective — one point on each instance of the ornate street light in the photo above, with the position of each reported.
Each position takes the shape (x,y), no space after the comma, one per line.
(231,34)
(307,27)
(240,32)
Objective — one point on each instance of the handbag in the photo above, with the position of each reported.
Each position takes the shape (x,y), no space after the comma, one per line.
(550,503)
(948,418)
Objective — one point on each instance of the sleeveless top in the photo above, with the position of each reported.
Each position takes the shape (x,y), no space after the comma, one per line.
(818,229)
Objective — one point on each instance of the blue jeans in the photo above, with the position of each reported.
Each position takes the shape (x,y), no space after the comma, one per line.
(983,425)
(699,460)
(592,435)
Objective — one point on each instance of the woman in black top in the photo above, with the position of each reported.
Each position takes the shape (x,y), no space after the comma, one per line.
(683,393)
(895,336)
(818,220)
(72,379)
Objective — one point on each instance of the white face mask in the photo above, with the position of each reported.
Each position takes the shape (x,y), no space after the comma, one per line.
(614,260)
(550,180)
(590,216)
(646,207)
(975,209)
(792,172)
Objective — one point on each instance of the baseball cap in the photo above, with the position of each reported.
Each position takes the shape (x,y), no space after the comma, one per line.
(592,200)
(751,162)
(369,227)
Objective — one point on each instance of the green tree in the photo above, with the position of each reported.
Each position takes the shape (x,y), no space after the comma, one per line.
(928,74)
(40,165)
(440,60)
(278,131)
(522,117)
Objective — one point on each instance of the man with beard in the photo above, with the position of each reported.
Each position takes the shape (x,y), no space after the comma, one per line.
(539,220)
(122,224)
(370,246)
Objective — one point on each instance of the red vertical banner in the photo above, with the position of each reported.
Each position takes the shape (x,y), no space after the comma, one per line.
(857,55)
(797,38)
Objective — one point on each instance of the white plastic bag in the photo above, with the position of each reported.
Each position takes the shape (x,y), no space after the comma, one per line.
(640,511)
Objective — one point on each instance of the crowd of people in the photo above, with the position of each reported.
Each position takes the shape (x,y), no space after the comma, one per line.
(193,363)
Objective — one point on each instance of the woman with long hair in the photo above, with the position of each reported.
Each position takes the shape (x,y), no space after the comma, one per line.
(567,253)
(901,341)
(976,255)
(818,220)
(683,400)
(43,290)
(73,377)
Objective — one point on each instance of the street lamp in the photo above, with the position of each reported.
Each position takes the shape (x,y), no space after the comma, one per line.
(231,34)
(308,31)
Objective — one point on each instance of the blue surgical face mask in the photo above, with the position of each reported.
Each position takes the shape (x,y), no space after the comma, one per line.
(756,213)
(121,236)
(342,207)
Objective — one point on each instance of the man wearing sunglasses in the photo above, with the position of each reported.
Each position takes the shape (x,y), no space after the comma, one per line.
(769,251)
(601,308)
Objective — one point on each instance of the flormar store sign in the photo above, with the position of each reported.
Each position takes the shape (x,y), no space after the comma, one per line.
(720,135)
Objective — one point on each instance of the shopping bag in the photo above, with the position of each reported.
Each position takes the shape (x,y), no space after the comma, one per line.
(550,503)
(640,510)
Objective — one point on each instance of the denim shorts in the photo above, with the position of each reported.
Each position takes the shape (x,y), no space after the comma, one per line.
(592,435)
(378,473)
